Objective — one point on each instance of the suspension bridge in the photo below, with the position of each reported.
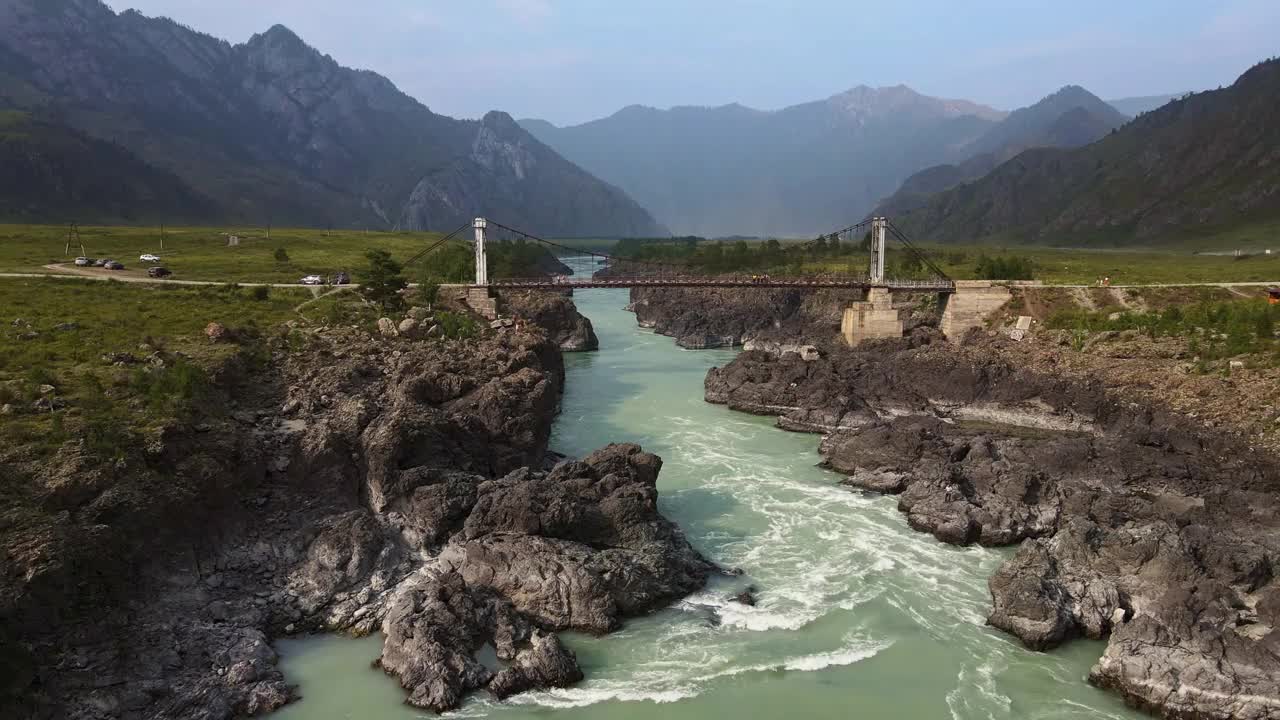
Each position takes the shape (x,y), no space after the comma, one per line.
(527,262)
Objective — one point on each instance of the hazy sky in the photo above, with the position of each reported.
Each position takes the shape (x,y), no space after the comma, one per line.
(570,61)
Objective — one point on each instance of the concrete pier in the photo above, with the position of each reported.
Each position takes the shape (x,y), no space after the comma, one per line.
(971,305)
(481,300)
(876,317)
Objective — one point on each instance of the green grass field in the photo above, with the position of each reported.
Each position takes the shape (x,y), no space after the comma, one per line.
(1086,267)
(203,253)
(57,333)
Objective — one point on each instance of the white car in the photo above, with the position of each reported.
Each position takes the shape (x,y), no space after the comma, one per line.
(84,262)
(149,258)
(312,280)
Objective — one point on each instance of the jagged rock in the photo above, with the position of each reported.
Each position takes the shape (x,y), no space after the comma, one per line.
(217,332)
(746,597)
(387,328)
(434,631)
(434,332)
(1135,524)
(535,538)
(545,663)
(420,313)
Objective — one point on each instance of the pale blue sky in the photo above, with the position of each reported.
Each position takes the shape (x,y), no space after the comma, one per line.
(570,61)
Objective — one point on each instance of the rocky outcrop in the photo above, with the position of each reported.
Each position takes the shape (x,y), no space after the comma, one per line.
(556,314)
(1133,523)
(711,318)
(576,548)
(435,630)
(362,484)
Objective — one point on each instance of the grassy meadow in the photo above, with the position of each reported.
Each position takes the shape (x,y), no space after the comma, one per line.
(203,253)
(71,336)
(1124,267)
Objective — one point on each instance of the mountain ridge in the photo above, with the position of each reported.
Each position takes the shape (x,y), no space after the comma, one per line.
(799,170)
(1069,117)
(1209,160)
(276,131)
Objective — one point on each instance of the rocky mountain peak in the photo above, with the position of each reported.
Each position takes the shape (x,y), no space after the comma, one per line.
(501,123)
(866,101)
(279,38)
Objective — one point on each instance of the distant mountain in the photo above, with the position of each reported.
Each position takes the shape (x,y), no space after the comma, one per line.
(1069,118)
(1209,160)
(55,174)
(274,131)
(802,170)
(1135,106)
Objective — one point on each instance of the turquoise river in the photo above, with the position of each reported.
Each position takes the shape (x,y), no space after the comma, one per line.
(858,615)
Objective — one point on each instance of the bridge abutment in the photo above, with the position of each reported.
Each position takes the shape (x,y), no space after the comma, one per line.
(971,305)
(875,317)
(482,301)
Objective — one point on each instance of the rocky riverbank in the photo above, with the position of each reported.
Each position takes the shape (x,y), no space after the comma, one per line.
(359,484)
(1135,522)
(712,318)
(555,313)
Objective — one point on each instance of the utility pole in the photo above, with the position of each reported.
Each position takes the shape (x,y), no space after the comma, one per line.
(161,237)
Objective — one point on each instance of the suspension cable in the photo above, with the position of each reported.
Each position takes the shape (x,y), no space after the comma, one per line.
(430,249)
(583,251)
(920,254)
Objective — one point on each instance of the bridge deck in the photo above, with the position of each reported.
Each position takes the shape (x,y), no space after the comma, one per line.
(942,286)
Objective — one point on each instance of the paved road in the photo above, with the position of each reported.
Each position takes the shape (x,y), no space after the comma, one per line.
(70,272)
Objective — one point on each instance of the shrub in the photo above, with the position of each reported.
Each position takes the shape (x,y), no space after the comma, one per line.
(457,326)
(260,293)
(170,388)
(281,255)
(1004,267)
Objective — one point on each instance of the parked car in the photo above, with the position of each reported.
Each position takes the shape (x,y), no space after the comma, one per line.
(159,272)
(100,262)
(312,280)
(340,278)
(84,262)
(148,257)
(113,265)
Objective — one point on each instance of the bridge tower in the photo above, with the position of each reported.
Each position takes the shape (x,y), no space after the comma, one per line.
(879,233)
(482,260)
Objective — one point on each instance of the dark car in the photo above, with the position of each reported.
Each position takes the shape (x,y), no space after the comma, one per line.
(159,272)
(340,279)
(113,265)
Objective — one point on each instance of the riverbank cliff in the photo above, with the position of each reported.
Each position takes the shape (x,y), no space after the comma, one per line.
(353,483)
(1142,497)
